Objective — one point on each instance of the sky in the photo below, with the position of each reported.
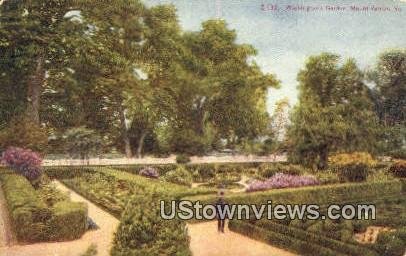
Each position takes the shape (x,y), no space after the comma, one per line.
(287,37)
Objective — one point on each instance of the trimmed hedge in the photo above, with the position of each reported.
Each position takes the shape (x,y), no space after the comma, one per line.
(69,220)
(205,171)
(297,240)
(142,231)
(33,221)
(337,193)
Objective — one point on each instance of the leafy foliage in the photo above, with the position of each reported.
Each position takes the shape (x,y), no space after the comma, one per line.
(182,159)
(24,161)
(149,172)
(142,231)
(24,133)
(179,176)
(398,168)
(82,142)
(281,180)
(34,220)
(353,167)
(335,112)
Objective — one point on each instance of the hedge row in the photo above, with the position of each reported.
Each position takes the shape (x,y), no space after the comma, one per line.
(33,221)
(337,193)
(297,240)
(205,170)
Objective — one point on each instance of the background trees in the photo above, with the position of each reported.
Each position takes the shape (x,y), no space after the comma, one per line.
(335,112)
(389,76)
(133,77)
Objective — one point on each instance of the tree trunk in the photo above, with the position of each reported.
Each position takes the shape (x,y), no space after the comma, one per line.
(322,165)
(141,144)
(34,90)
(124,133)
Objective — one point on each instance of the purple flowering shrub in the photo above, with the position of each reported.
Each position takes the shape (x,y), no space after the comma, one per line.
(149,172)
(281,180)
(24,161)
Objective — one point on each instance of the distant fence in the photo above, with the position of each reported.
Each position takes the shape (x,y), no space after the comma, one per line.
(168,160)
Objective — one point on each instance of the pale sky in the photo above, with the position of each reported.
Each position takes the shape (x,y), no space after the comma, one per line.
(285,38)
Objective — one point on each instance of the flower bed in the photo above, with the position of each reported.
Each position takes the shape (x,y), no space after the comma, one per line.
(111,189)
(334,237)
(281,180)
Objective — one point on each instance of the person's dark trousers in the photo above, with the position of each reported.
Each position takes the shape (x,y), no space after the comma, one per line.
(220,225)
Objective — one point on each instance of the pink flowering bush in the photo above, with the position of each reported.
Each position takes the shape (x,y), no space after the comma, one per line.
(24,161)
(281,180)
(149,172)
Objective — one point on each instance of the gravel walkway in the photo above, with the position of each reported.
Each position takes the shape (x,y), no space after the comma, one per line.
(206,241)
(101,237)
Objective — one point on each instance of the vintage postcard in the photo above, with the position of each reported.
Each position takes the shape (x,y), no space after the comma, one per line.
(202,127)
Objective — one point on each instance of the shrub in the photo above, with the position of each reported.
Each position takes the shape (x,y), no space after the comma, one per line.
(268,170)
(24,133)
(352,167)
(149,172)
(182,159)
(33,221)
(391,243)
(142,230)
(398,168)
(24,162)
(327,177)
(69,221)
(206,172)
(179,176)
(281,180)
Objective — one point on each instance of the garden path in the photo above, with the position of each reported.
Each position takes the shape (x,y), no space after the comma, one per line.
(101,237)
(206,241)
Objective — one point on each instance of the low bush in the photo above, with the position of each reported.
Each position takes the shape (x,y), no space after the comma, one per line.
(24,162)
(149,172)
(179,176)
(281,180)
(182,159)
(353,167)
(69,221)
(33,220)
(142,230)
(327,177)
(267,170)
(205,172)
(398,168)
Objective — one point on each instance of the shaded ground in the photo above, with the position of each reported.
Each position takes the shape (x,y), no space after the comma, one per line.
(206,241)
(101,237)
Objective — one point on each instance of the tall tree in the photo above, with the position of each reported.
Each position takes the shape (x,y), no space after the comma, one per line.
(389,76)
(34,33)
(334,111)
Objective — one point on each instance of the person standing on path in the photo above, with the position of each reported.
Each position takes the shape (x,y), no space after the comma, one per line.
(220,207)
